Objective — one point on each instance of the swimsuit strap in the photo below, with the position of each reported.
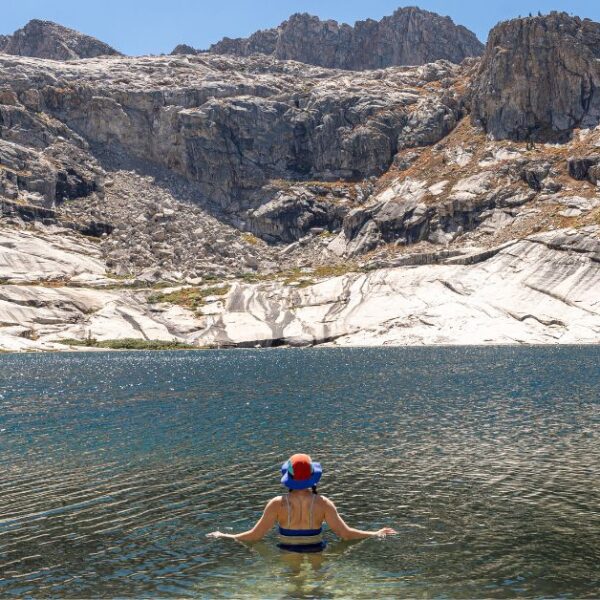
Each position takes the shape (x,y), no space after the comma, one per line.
(287,501)
(310,514)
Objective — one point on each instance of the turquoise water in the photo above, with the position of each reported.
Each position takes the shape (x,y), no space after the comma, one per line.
(486,460)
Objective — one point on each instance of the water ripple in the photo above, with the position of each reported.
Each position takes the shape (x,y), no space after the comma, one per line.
(485,459)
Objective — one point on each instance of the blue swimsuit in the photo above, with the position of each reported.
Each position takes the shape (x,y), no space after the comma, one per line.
(301,540)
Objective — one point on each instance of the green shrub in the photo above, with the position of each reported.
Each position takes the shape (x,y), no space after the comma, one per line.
(129,344)
(192,297)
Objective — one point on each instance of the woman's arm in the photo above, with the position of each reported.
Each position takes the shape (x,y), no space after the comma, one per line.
(263,525)
(341,529)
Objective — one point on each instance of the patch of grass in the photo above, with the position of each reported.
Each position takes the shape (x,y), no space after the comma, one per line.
(250,238)
(336,270)
(302,278)
(128,344)
(193,297)
(138,285)
(292,276)
(250,277)
(327,234)
(304,283)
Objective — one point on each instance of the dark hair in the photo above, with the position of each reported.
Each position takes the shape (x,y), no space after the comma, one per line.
(314,489)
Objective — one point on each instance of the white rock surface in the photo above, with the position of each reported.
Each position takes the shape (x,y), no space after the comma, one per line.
(529,292)
(27,256)
(541,290)
(34,315)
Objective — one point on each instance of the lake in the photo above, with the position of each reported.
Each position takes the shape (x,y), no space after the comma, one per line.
(486,460)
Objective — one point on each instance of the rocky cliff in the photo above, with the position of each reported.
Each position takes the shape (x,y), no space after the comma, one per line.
(539,78)
(408,37)
(243,131)
(44,39)
(237,201)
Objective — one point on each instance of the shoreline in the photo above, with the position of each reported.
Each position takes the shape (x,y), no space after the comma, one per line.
(325,347)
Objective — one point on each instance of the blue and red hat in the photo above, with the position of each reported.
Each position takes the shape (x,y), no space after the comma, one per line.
(300,472)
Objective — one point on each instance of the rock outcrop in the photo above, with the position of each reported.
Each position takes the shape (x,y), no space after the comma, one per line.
(44,39)
(408,37)
(233,125)
(539,78)
(54,286)
(542,289)
(539,290)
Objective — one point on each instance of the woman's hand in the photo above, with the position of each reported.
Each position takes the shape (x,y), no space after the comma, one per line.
(385,531)
(218,534)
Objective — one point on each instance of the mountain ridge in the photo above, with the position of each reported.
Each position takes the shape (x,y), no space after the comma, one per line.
(410,36)
(46,39)
(284,203)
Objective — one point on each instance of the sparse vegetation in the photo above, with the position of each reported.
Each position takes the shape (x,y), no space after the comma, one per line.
(327,234)
(302,278)
(191,297)
(251,277)
(336,270)
(116,277)
(304,283)
(251,239)
(128,344)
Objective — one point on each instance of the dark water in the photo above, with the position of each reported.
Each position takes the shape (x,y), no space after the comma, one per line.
(115,466)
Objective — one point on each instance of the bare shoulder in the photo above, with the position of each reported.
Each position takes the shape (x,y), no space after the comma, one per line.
(326,502)
(275,503)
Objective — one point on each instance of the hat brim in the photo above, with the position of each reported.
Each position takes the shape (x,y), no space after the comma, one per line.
(301,484)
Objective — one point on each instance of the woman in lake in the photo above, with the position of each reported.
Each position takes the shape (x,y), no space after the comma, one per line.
(301,512)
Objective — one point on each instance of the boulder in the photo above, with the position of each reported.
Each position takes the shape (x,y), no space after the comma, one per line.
(534,174)
(585,167)
(289,216)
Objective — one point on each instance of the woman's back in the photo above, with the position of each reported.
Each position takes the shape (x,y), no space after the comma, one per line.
(300,516)
(301,510)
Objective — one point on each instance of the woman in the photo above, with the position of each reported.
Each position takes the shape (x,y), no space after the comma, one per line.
(301,512)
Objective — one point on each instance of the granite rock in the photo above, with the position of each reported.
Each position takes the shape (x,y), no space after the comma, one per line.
(45,39)
(537,290)
(410,36)
(232,125)
(539,78)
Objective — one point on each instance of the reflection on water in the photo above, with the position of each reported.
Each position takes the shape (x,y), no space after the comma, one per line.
(114,466)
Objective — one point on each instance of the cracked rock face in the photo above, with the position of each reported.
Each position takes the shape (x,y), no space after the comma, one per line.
(408,37)
(232,125)
(44,39)
(539,78)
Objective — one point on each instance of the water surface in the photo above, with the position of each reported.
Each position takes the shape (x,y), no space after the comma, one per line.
(115,465)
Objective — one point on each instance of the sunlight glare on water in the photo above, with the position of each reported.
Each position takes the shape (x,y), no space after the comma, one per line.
(115,466)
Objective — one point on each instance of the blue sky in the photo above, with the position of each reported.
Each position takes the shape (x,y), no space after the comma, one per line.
(155,26)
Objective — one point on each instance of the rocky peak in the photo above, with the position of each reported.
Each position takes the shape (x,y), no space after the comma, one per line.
(184,49)
(410,36)
(45,39)
(539,78)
